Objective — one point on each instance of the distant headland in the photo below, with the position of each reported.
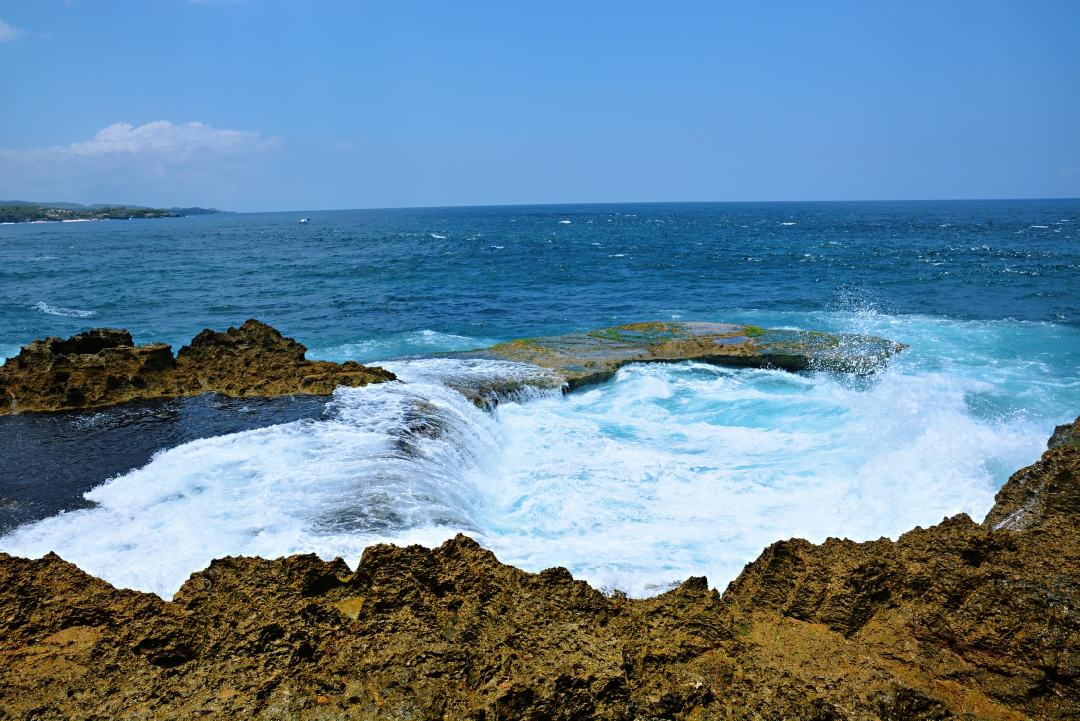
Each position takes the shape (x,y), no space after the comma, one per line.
(21,211)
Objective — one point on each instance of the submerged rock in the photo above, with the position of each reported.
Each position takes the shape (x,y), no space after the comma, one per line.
(958,620)
(103,367)
(585,358)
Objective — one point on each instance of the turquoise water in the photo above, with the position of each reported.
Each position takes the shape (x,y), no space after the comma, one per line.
(667,471)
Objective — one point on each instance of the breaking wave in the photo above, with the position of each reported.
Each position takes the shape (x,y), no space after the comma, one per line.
(67,312)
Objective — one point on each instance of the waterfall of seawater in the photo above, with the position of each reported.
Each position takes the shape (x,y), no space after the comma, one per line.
(667,471)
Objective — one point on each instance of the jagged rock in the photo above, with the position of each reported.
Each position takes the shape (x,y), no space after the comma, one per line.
(1048,489)
(103,367)
(958,620)
(1065,435)
(584,358)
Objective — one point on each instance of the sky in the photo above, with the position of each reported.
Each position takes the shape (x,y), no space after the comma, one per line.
(253,105)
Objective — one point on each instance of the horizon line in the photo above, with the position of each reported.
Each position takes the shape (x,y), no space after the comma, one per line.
(547,205)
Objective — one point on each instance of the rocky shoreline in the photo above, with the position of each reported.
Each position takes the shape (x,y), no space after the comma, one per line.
(960,620)
(103,367)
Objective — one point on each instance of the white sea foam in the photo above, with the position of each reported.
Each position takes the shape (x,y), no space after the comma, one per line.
(56,310)
(668,471)
(396,463)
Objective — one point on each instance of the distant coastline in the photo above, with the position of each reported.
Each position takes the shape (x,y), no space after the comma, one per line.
(18,211)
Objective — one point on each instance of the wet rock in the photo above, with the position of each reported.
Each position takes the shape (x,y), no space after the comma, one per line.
(103,367)
(960,620)
(585,358)
(1048,489)
(1065,435)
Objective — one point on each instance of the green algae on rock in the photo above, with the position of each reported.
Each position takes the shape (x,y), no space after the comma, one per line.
(959,620)
(103,367)
(586,358)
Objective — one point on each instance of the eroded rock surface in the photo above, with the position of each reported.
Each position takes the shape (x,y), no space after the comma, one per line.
(959,620)
(585,358)
(102,367)
(1065,435)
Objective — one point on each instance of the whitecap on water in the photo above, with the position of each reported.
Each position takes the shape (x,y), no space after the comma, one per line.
(56,310)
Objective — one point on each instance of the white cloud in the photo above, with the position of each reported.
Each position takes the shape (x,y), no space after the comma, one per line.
(175,141)
(8,31)
(158,141)
(178,164)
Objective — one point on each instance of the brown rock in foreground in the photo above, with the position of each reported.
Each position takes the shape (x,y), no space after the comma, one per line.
(103,367)
(958,620)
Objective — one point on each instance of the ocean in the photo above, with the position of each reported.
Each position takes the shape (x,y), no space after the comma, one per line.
(665,472)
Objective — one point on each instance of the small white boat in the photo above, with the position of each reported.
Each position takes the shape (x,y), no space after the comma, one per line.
(303,220)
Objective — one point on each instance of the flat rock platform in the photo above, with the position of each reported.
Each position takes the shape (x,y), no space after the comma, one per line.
(584,358)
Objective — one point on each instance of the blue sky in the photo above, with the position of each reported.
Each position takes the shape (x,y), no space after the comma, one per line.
(260,105)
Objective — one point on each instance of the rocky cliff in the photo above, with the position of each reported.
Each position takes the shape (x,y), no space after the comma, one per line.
(959,620)
(103,366)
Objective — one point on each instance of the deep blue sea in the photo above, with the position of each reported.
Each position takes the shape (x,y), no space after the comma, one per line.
(665,472)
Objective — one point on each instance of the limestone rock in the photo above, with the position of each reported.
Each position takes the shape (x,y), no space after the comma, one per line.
(103,367)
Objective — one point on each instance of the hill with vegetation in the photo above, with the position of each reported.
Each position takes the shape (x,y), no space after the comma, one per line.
(37,214)
(25,211)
